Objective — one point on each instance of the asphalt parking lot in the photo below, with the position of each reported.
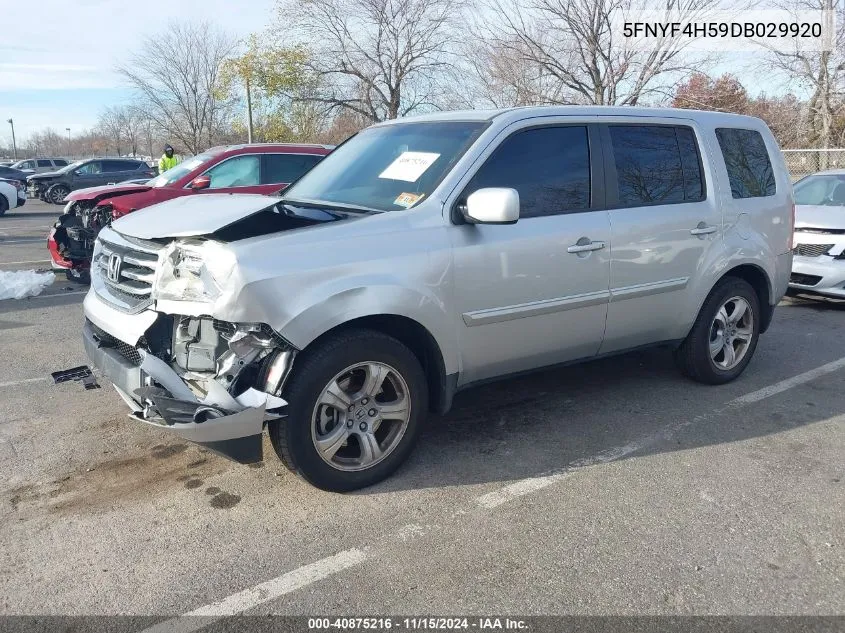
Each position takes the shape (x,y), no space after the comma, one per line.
(615,487)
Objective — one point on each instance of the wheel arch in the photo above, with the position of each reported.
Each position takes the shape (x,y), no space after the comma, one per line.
(421,342)
(758,279)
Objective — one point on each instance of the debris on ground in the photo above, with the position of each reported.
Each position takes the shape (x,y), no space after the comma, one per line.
(19,284)
(82,372)
(90,382)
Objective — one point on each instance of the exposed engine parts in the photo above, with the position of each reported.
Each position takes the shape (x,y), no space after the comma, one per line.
(76,230)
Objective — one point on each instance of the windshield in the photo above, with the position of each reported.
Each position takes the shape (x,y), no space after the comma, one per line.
(828,191)
(70,167)
(180,171)
(387,168)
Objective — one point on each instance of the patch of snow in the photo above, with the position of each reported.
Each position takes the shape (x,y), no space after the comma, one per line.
(18,284)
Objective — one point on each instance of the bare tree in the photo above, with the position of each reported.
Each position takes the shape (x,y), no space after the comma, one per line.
(176,75)
(379,59)
(132,121)
(822,73)
(110,124)
(573,51)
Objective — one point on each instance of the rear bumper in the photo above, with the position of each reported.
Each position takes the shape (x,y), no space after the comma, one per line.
(158,396)
(821,275)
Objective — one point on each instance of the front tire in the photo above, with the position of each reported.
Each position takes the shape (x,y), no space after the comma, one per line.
(355,406)
(724,336)
(4,205)
(56,194)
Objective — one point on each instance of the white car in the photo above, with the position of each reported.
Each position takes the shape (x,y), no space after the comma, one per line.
(818,265)
(11,196)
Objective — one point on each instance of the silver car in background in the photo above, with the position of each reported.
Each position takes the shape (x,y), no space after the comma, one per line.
(429,254)
(818,266)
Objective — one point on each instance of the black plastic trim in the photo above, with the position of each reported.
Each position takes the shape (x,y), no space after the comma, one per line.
(243,450)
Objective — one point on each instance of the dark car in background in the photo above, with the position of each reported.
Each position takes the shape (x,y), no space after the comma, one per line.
(54,186)
(10,173)
(263,168)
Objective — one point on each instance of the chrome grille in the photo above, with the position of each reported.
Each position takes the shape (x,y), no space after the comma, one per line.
(123,271)
(812,250)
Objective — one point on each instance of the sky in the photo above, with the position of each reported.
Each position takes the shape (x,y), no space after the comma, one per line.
(57,64)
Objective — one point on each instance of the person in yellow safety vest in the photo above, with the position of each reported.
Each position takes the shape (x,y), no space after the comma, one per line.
(167,160)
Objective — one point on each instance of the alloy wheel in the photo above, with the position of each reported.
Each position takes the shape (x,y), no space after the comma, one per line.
(361,416)
(731,333)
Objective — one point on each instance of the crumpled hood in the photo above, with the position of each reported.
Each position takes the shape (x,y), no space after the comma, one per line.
(47,175)
(819,217)
(92,192)
(187,216)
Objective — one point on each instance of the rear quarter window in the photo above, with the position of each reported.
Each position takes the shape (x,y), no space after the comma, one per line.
(747,161)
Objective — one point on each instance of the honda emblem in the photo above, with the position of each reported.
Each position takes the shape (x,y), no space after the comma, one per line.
(113,269)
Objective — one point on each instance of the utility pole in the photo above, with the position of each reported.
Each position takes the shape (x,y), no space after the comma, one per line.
(14,144)
(249,111)
(68,141)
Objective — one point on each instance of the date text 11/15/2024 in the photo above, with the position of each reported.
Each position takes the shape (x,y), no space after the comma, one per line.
(417,624)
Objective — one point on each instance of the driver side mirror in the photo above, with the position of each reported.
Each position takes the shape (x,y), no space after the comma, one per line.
(492,205)
(78,172)
(200,182)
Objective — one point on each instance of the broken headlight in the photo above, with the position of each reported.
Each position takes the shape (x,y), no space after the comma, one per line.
(193,271)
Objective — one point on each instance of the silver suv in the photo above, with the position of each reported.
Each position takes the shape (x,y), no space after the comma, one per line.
(40,165)
(429,254)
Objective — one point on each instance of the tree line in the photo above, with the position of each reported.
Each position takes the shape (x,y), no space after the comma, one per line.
(330,67)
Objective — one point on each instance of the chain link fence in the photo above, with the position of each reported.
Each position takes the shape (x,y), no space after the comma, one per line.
(802,162)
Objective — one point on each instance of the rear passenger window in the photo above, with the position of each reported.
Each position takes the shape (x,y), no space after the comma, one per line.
(45,163)
(747,161)
(60,162)
(549,167)
(656,164)
(285,168)
(112,166)
(691,164)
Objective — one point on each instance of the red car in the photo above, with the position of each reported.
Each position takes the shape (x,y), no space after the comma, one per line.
(256,168)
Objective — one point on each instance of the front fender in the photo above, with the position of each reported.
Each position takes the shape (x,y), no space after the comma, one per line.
(325,307)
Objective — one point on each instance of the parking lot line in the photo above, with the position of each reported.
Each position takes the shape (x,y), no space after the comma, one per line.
(789,383)
(13,383)
(31,261)
(261,593)
(26,241)
(309,574)
(58,294)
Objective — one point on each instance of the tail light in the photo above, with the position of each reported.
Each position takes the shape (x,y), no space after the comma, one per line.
(792,228)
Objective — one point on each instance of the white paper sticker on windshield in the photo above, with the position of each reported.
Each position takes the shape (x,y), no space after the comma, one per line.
(409,166)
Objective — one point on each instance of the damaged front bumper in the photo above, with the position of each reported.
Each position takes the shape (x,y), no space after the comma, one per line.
(220,409)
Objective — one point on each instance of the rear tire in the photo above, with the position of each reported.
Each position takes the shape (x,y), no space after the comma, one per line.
(4,205)
(361,455)
(705,355)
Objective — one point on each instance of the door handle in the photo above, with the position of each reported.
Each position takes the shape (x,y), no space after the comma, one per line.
(703,229)
(583,248)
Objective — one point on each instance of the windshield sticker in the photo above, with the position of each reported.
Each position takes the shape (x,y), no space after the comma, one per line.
(409,166)
(408,200)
